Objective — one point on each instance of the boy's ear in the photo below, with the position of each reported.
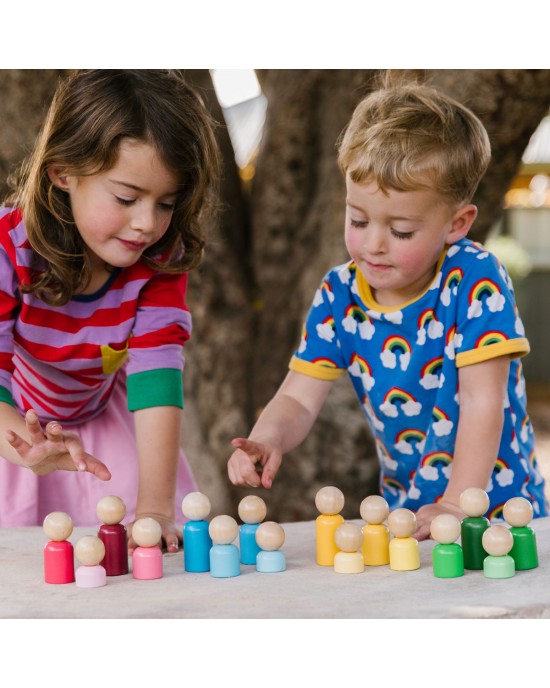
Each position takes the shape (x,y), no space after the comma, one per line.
(58,177)
(463,219)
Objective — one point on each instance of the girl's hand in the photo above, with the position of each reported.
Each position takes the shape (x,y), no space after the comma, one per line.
(171,536)
(253,463)
(53,449)
(426,514)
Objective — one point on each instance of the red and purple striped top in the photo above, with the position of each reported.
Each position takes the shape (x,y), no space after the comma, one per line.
(62,360)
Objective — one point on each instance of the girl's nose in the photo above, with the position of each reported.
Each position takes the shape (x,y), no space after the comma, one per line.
(144,219)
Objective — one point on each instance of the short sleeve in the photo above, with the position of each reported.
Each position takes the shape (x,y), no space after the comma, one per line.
(488,322)
(319,354)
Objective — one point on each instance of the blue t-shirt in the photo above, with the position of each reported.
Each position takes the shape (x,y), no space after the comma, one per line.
(403,363)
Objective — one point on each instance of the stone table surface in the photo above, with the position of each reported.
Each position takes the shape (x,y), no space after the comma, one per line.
(304,591)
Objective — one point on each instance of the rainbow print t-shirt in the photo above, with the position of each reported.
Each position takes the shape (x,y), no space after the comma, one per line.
(403,363)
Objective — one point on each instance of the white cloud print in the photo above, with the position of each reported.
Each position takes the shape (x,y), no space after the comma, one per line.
(495,302)
(505,477)
(430,381)
(412,408)
(388,409)
(455,343)
(365,328)
(475,310)
(443,427)
(429,473)
(355,370)
(404,447)
(318,298)
(388,358)
(435,329)
(325,331)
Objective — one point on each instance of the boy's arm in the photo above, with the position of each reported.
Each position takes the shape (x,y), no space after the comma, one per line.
(482,392)
(158,431)
(283,425)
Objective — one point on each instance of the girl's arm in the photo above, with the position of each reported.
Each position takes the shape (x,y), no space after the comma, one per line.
(283,425)
(24,442)
(482,392)
(158,432)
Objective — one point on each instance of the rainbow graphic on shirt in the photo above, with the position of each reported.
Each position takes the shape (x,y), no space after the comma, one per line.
(397,396)
(394,487)
(361,363)
(436,459)
(493,337)
(496,512)
(500,465)
(453,279)
(425,318)
(325,362)
(357,313)
(432,367)
(438,414)
(397,345)
(483,287)
(410,436)
(327,288)
(451,335)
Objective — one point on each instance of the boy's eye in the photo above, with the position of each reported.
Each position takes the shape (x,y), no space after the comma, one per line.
(359,224)
(402,235)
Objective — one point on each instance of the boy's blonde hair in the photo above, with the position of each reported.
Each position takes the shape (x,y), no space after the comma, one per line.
(410,136)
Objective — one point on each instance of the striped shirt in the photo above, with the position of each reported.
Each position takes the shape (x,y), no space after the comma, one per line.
(62,360)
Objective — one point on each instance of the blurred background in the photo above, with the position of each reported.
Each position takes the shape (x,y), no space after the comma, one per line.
(280,227)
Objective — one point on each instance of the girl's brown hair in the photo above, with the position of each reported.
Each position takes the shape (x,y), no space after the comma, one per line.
(91,113)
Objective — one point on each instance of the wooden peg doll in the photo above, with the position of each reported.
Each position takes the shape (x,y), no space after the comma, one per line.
(474,502)
(330,502)
(497,541)
(90,552)
(404,550)
(374,511)
(58,552)
(224,556)
(252,511)
(349,538)
(447,556)
(270,537)
(196,539)
(111,510)
(518,513)
(147,556)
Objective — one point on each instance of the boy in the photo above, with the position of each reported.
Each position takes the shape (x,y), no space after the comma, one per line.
(423,320)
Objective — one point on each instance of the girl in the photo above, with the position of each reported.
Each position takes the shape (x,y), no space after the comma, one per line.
(101,229)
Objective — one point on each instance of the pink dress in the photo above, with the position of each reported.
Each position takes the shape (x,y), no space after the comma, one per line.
(26,499)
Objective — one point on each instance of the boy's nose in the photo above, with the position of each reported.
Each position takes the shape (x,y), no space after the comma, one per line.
(375,239)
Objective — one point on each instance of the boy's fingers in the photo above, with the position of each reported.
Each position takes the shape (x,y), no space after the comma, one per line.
(253,449)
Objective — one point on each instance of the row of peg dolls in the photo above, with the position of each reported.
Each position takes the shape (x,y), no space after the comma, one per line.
(207,546)
(387,538)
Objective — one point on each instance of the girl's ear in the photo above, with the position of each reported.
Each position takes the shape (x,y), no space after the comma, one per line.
(462,221)
(58,177)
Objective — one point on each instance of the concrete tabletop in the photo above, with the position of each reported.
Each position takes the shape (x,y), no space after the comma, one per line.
(305,590)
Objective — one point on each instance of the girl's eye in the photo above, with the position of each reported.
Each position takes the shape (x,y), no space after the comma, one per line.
(402,235)
(124,201)
(359,224)
(169,207)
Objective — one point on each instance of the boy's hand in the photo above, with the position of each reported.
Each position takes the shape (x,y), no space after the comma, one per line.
(253,463)
(426,514)
(171,536)
(54,449)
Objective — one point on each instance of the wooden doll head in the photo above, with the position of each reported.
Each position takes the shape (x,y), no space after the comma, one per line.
(518,512)
(402,523)
(223,530)
(196,506)
(58,526)
(270,536)
(89,550)
(348,537)
(374,509)
(329,500)
(445,529)
(497,541)
(111,510)
(252,509)
(147,532)
(474,502)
